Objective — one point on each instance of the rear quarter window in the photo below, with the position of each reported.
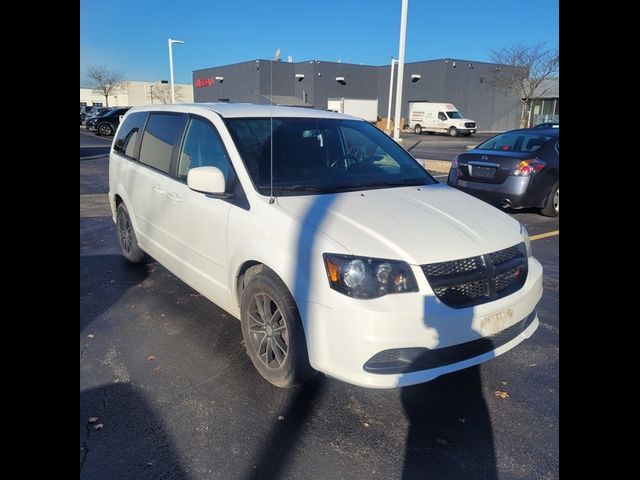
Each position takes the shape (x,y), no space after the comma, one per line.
(128,137)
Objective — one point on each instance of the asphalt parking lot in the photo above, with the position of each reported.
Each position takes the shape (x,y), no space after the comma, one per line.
(167,391)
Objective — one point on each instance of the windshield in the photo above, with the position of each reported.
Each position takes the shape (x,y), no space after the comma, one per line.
(317,155)
(454,115)
(515,142)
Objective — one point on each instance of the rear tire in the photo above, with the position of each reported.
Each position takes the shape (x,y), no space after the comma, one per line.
(453,132)
(105,129)
(417,130)
(552,207)
(127,236)
(272,331)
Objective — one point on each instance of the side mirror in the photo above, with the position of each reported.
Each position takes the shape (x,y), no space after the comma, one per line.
(206,180)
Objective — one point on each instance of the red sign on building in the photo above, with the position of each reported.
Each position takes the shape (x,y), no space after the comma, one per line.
(204,82)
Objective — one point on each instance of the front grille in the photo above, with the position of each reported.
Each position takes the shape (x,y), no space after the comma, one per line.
(470,124)
(476,280)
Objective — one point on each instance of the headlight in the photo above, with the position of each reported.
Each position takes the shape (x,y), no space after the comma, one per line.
(525,236)
(362,277)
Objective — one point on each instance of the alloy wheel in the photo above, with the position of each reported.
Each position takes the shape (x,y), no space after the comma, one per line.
(268,331)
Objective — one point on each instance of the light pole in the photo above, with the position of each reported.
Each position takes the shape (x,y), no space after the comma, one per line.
(403,36)
(171,42)
(393,62)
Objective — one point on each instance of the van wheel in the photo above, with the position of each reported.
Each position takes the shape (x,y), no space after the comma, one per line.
(272,331)
(127,237)
(552,207)
(417,130)
(453,132)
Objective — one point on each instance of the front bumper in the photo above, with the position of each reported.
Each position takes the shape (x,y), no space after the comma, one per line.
(341,339)
(92,128)
(469,131)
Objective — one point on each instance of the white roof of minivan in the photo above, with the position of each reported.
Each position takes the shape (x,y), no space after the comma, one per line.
(231,110)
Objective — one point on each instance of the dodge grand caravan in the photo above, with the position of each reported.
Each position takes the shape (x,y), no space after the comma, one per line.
(336,250)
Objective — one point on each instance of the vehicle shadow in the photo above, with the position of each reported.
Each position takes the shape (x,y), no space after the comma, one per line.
(96,297)
(449,435)
(113,446)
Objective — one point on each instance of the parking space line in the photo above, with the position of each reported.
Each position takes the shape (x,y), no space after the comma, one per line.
(544,235)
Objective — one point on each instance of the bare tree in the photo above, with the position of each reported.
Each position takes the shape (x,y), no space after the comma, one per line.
(105,81)
(532,67)
(162,93)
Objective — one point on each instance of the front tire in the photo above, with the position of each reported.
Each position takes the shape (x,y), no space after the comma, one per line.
(552,207)
(453,132)
(127,236)
(417,130)
(272,331)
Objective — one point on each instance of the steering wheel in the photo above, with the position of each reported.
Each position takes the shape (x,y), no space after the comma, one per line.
(347,159)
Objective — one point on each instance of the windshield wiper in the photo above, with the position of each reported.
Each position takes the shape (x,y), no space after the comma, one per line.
(304,188)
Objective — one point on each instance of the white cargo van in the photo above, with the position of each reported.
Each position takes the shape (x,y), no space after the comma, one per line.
(439,118)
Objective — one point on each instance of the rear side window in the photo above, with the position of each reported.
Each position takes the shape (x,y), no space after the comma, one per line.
(160,138)
(128,135)
(202,148)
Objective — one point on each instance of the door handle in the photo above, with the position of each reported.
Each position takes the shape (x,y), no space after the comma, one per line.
(174,197)
(158,189)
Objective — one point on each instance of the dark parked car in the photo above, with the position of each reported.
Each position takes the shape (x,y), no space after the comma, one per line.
(107,123)
(96,112)
(519,168)
(85,111)
(548,125)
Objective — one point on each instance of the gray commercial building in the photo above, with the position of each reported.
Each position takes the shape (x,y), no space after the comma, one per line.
(469,85)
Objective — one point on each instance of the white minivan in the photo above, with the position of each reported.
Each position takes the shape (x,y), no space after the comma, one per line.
(434,117)
(336,250)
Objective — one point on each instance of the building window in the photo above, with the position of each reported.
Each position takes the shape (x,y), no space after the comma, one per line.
(83,104)
(97,104)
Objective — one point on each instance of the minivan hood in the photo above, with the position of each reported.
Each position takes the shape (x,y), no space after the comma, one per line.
(425,224)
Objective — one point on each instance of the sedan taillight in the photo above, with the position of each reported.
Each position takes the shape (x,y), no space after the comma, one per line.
(528,167)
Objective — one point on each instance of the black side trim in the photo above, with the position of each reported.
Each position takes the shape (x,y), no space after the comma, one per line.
(407,360)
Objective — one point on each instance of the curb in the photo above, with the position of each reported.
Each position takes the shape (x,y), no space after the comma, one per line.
(439,166)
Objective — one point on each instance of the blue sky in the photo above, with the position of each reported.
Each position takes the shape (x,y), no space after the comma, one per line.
(132,35)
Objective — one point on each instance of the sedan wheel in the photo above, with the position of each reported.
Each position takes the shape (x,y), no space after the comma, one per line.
(552,207)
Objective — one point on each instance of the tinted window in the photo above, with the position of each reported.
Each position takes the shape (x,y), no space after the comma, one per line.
(515,142)
(202,148)
(454,115)
(161,135)
(128,134)
(315,155)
